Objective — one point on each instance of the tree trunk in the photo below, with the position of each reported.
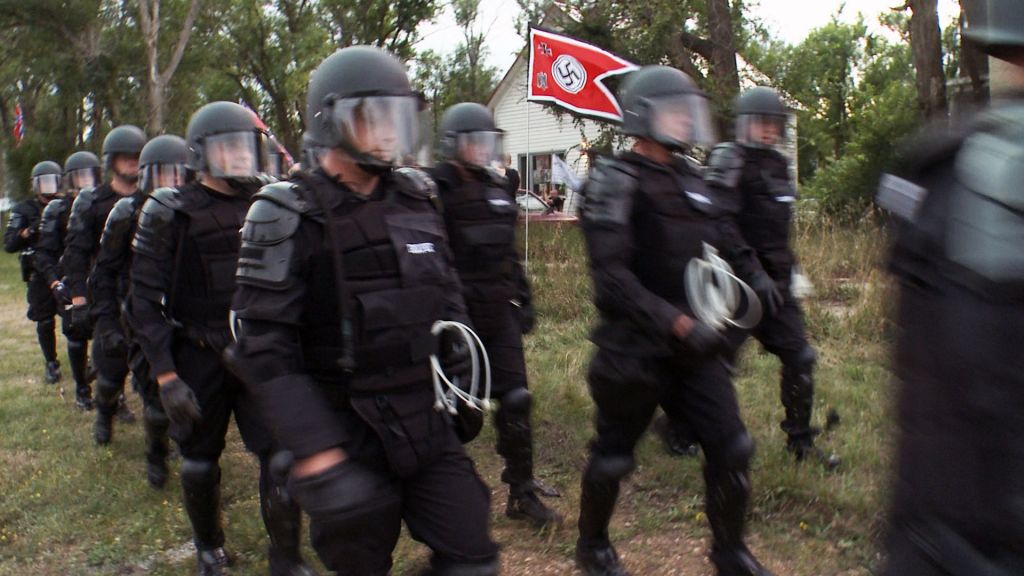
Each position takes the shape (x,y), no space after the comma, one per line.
(157,81)
(973,63)
(926,47)
(725,73)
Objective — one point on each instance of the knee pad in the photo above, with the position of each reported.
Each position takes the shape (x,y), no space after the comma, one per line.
(517,401)
(738,452)
(199,473)
(75,345)
(48,325)
(610,468)
(802,362)
(155,417)
(281,465)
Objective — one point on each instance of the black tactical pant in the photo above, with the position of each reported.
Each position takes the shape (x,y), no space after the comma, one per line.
(783,336)
(111,363)
(444,504)
(42,308)
(498,326)
(627,390)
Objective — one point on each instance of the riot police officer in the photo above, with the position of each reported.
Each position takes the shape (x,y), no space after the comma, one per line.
(958,496)
(21,236)
(647,213)
(162,164)
(480,218)
(81,171)
(343,272)
(757,170)
(89,212)
(185,252)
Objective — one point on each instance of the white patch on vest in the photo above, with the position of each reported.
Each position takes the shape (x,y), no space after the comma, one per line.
(499,202)
(786,199)
(421,248)
(899,196)
(699,197)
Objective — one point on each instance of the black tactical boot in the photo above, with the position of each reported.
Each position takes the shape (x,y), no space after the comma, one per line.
(103,428)
(53,374)
(106,407)
(737,562)
(804,449)
(598,561)
(212,562)
(124,413)
(83,400)
(525,504)
(728,493)
(155,424)
(282,518)
(675,441)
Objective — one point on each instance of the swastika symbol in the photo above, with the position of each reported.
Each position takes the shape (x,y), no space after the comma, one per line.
(569,74)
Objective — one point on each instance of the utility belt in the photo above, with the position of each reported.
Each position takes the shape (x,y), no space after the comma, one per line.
(203,336)
(385,357)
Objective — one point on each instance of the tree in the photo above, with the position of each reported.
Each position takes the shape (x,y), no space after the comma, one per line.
(926,46)
(974,62)
(157,80)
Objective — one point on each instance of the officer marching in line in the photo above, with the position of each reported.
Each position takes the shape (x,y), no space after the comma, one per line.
(480,218)
(646,214)
(185,252)
(81,172)
(162,164)
(756,169)
(958,492)
(22,235)
(343,272)
(121,149)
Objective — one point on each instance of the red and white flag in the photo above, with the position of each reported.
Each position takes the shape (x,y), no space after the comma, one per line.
(569,72)
(19,125)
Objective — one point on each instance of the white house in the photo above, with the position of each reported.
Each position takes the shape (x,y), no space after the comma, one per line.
(533,133)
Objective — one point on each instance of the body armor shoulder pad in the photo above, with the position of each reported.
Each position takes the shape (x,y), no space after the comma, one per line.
(119,222)
(608,194)
(84,201)
(153,236)
(725,165)
(416,183)
(991,162)
(268,223)
(287,195)
(52,215)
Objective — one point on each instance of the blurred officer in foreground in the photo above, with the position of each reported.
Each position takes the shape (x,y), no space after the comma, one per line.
(756,169)
(81,172)
(185,253)
(21,236)
(646,215)
(958,498)
(343,272)
(480,217)
(162,165)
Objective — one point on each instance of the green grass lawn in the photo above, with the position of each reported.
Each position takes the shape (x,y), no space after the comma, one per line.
(68,507)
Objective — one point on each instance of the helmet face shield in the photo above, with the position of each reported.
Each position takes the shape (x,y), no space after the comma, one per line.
(46,184)
(83,178)
(235,154)
(761,130)
(480,149)
(680,120)
(384,129)
(163,176)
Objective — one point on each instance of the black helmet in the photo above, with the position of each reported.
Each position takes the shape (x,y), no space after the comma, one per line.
(82,170)
(46,178)
(360,100)
(760,118)
(124,140)
(1000,29)
(468,134)
(664,105)
(278,158)
(220,128)
(162,163)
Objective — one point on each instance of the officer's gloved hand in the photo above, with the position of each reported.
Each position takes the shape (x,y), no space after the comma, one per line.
(455,357)
(61,293)
(768,293)
(179,403)
(344,491)
(696,339)
(80,325)
(527,316)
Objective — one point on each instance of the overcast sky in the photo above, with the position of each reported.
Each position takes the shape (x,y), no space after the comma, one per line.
(789,20)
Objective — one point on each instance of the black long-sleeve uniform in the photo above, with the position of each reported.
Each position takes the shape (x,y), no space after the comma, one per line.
(41,305)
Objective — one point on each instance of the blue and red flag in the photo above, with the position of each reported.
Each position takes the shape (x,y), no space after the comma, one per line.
(19,125)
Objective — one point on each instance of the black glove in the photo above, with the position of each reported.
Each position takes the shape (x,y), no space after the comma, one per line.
(113,342)
(79,324)
(701,342)
(180,404)
(344,492)
(768,293)
(61,294)
(455,357)
(527,317)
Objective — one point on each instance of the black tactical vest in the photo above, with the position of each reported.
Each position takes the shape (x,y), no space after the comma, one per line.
(767,210)
(395,269)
